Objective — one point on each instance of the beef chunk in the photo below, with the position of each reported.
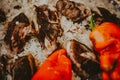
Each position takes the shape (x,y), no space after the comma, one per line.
(105,16)
(2,16)
(23,68)
(49,25)
(109,17)
(3,63)
(19,30)
(83,59)
(71,10)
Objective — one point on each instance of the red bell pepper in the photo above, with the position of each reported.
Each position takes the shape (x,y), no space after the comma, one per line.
(106,41)
(56,67)
(105,34)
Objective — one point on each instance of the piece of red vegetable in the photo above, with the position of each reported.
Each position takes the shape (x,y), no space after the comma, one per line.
(106,41)
(104,35)
(56,67)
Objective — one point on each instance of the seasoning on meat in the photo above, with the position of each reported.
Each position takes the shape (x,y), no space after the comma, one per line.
(84,61)
(2,16)
(49,25)
(19,30)
(23,68)
(105,16)
(3,62)
(71,10)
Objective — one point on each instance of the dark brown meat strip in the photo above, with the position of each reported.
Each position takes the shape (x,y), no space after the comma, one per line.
(83,66)
(23,68)
(49,25)
(18,33)
(3,63)
(71,10)
(2,16)
(105,16)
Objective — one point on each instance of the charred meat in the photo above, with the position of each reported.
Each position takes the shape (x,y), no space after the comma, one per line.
(49,25)
(3,63)
(23,68)
(105,16)
(71,10)
(108,16)
(84,60)
(2,16)
(19,30)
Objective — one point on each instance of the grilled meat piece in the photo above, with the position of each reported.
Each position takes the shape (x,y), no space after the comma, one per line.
(84,61)
(105,16)
(74,11)
(98,19)
(108,16)
(49,25)
(3,63)
(2,16)
(19,30)
(23,68)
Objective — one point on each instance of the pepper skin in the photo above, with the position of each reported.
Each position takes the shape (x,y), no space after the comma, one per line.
(106,41)
(56,67)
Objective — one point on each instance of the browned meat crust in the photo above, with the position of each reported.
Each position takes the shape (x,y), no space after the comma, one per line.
(83,65)
(2,16)
(3,63)
(49,25)
(18,32)
(74,11)
(23,68)
(106,16)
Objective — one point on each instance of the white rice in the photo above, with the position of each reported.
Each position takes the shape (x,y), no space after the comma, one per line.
(75,31)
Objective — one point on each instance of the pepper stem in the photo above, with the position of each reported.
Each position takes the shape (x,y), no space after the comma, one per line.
(92,22)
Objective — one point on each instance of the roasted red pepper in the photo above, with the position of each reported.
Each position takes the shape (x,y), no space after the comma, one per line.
(56,67)
(104,35)
(106,41)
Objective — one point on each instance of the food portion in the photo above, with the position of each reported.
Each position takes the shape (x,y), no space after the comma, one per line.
(2,67)
(67,39)
(48,25)
(23,68)
(71,10)
(19,68)
(18,32)
(106,41)
(83,59)
(105,16)
(56,67)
